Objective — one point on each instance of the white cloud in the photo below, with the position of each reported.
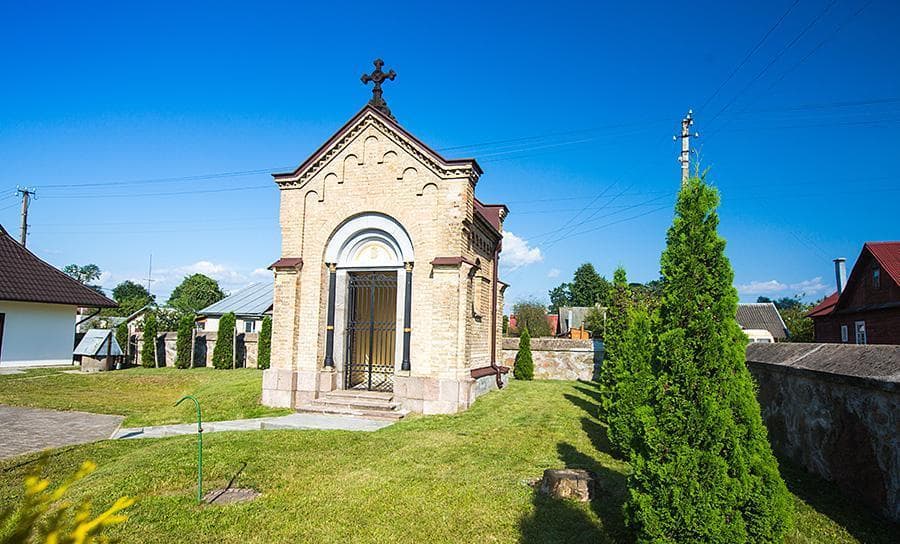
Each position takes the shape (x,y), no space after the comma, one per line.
(230,279)
(774,287)
(517,253)
(553,273)
(262,273)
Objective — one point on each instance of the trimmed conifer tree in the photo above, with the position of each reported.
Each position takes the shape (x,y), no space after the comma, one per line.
(148,347)
(264,357)
(616,325)
(630,382)
(183,344)
(223,353)
(703,470)
(524,369)
(122,337)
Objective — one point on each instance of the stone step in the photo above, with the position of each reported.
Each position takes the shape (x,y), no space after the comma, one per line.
(389,415)
(361,403)
(360,394)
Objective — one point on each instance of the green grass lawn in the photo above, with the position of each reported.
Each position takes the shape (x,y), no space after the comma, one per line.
(444,479)
(145,396)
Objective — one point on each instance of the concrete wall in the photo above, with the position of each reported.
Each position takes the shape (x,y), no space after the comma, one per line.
(558,358)
(204,344)
(37,334)
(835,410)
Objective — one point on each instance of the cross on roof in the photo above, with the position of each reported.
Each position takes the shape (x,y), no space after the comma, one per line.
(377,77)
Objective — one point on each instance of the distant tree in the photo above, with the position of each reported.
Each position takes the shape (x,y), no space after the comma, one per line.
(85,275)
(131,297)
(194,293)
(505,324)
(264,357)
(588,287)
(223,353)
(703,469)
(184,341)
(531,314)
(647,295)
(763,300)
(148,346)
(800,328)
(559,297)
(783,303)
(595,321)
(524,368)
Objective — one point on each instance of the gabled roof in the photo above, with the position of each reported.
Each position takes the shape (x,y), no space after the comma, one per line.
(95,343)
(761,315)
(887,254)
(253,300)
(26,278)
(371,115)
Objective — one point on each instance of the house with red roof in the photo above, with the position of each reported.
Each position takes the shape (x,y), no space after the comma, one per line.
(865,309)
(37,308)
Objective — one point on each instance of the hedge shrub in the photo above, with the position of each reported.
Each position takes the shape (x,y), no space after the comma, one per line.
(148,346)
(184,342)
(524,369)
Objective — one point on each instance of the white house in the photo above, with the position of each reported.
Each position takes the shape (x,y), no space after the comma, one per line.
(249,306)
(37,308)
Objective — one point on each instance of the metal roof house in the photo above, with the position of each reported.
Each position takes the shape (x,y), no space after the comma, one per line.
(761,322)
(38,303)
(249,305)
(95,352)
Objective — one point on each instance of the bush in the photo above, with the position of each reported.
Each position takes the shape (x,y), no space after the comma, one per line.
(264,358)
(703,470)
(524,369)
(531,315)
(223,354)
(184,342)
(148,347)
(43,516)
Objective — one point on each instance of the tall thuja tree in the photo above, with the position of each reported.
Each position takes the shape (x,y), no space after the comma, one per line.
(703,470)
(223,353)
(184,341)
(630,383)
(524,368)
(616,325)
(148,347)
(264,357)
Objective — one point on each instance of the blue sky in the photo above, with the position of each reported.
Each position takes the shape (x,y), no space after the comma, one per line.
(570,108)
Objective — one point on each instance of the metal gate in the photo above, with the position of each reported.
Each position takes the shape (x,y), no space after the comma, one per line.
(371,330)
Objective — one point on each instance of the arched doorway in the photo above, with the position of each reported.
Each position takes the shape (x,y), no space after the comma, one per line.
(369,257)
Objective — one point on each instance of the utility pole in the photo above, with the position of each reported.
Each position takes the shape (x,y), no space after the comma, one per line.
(26,197)
(150,273)
(685,137)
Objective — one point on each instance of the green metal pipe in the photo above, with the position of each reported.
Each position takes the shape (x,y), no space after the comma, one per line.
(199,446)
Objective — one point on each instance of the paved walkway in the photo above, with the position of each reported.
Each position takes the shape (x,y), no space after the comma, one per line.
(291,421)
(24,430)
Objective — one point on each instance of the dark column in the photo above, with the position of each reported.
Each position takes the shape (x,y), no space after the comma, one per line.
(407,317)
(329,329)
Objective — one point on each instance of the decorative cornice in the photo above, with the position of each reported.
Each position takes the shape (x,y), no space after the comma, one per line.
(451,261)
(462,168)
(287,263)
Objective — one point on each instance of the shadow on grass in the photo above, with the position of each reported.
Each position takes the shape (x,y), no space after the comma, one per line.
(824,497)
(556,520)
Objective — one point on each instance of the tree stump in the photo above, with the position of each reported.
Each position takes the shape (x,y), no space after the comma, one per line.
(568,483)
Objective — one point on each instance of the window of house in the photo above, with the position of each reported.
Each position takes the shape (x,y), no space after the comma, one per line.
(201,325)
(845,334)
(876,277)
(860,332)
(250,326)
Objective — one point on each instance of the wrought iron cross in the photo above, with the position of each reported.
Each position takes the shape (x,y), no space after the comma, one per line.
(377,77)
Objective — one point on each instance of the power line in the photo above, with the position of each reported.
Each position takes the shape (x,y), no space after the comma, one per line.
(750,53)
(166,193)
(774,59)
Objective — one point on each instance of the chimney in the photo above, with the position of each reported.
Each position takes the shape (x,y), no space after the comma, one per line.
(840,273)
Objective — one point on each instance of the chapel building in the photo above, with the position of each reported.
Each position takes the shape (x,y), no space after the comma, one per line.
(387,285)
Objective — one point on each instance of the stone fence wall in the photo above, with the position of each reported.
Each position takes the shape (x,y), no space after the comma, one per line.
(247,345)
(558,358)
(835,410)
